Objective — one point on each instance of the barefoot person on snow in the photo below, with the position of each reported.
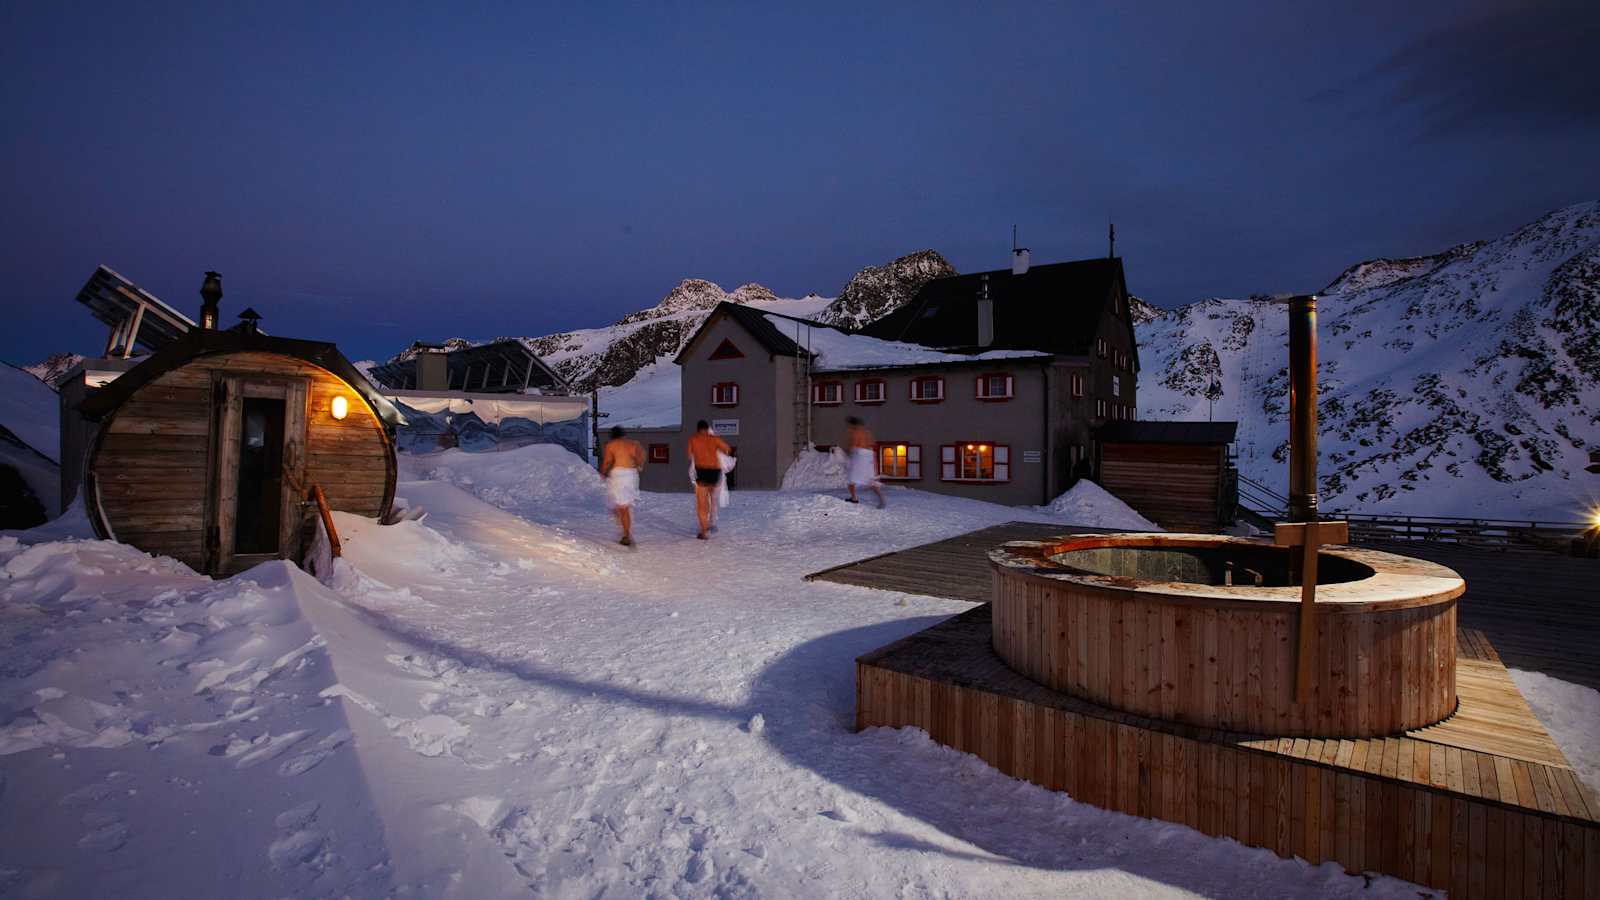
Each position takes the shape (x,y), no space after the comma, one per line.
(705,450)
(863,452)
(620,468)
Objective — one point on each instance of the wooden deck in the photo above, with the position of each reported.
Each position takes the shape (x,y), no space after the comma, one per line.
(1483,804)
(1540,610)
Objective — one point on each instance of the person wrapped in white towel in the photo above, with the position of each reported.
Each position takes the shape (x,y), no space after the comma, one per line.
(719,494)
(863,470)
(620,467)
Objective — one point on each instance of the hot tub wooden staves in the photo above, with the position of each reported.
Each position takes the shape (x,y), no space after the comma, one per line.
(207,450)
(1221,656)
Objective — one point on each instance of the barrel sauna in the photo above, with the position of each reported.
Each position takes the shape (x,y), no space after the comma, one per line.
(208,451)
(1201,629)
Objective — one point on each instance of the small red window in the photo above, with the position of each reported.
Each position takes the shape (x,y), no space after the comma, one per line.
(899,461)
(872,391)
(996,386)
(929,389)
(975,461)
(726,350)
(660,453)
(725,394)
(827,393)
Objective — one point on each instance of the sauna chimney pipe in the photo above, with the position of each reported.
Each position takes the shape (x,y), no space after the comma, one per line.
(1303,408)
(210,293)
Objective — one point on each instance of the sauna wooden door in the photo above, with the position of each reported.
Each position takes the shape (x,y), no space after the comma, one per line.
(258,462)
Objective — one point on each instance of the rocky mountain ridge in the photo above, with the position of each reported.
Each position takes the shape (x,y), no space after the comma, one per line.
(1462,383)
(876,291)
(612,355)
(53,367)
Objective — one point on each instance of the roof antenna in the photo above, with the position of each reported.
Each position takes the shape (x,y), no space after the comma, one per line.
(1013,238)
(1111,252)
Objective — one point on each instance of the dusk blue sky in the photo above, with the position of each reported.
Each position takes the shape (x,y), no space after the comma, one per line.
(376,174)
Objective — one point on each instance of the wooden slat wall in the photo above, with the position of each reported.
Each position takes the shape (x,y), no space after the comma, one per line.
(151,465)
(1477,824)
(1174,485)
(1180,659)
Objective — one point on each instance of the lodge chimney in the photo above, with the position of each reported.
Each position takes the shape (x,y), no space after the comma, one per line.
(210,293)
(1019,261)
(985,313)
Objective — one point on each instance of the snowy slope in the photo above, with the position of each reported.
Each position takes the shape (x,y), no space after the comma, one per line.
(498,701)
(1466,383)
(30,409)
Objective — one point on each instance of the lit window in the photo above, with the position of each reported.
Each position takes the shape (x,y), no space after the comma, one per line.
(1116,385)
(827,393)
(725,394)
(994,387)
(897,460)
(869,392)
(927,390)
(975,461)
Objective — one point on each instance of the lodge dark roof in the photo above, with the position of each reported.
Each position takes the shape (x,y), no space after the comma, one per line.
(1055,308)
(198,343)
(1137,432)
(760,327)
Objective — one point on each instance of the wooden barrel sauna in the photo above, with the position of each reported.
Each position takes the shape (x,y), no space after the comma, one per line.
(207,451)
(1201,629)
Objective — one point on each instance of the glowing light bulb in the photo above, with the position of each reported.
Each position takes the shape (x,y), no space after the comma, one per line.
(340,407)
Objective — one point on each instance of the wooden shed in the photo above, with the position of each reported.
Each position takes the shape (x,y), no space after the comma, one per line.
(1175,474)
(208,451)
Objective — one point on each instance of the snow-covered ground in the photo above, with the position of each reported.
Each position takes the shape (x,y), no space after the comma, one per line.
(497,700)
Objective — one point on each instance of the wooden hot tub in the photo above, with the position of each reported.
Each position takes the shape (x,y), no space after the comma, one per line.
(1147,624)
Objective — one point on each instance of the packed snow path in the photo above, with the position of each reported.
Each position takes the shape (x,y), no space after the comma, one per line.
(500,701)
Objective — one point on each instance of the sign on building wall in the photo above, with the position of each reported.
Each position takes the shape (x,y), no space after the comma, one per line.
(1032,456)
(725,427)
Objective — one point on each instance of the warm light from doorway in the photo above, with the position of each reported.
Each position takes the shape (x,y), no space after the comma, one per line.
(340,408)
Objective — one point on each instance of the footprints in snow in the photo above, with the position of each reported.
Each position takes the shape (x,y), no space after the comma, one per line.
(300,842)
(267,746)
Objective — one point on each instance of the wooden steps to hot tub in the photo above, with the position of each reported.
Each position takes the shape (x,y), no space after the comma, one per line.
(1482,804)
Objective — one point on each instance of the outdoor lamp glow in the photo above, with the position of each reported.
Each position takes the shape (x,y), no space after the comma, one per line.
(340,407)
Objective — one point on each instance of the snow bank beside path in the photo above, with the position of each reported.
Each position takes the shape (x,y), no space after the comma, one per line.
(814,470)
(524,477)
(162,734)
(1088,503)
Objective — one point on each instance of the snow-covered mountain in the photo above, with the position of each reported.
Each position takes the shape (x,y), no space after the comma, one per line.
(614,354)
(53,367)
(876,291)
(1463,383)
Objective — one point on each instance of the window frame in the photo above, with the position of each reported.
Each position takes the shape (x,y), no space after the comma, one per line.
(1101,348)
(981,382)
(816,393)
(659,453)
(883,391)
(913,460)
(1076,381)
(951,462)
(911,388)
(729,403)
